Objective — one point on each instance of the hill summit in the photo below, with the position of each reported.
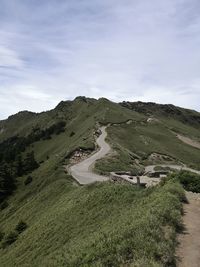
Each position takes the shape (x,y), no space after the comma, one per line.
(47,219)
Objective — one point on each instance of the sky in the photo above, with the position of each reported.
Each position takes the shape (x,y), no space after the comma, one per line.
(135,50)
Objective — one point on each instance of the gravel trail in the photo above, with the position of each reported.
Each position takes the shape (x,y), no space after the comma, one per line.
(188,252)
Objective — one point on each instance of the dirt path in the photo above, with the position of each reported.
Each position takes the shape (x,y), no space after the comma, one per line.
(188,141)
(188,252)
(82,171)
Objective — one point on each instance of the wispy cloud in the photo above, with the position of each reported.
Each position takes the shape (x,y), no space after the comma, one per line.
(132,49)
(9,58)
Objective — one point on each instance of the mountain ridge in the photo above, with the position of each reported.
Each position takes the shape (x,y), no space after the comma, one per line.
(71,225)
(138,105)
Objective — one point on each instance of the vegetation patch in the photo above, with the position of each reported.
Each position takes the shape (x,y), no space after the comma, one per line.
(162,168)
(99,225)
(121,160)
(28,180)
(1,236)
(102,225)
(10,238)
(20,227)
(189,180)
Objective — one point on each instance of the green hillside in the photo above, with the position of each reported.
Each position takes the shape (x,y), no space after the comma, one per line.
(155,132)
(100,224)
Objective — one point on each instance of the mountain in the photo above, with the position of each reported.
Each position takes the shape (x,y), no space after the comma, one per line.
(64,224)
(187,116)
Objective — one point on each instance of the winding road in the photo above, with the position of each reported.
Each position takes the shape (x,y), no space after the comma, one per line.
(82,171)
(188,251)
(83,174)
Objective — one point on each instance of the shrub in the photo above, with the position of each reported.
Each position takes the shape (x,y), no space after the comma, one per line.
(3,205)
(72,133)
(189,180)
(136,172)
(20,227)
(30,163)
(9,239)
(28,180)
(1,236)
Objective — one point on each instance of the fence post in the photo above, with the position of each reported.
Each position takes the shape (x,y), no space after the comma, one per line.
(138,181)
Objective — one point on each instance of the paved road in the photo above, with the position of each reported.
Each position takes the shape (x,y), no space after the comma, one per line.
(150,168)
(82,171)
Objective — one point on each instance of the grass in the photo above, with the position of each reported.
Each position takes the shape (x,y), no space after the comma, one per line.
(122,160)
(144,139)
(140,137)
(97,225)
(189,180)
(162,168)
(102,224)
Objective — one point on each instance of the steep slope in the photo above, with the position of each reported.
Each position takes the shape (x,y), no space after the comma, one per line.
(155,139)
(70,225)
(187,116)
(80,116)
(140,133)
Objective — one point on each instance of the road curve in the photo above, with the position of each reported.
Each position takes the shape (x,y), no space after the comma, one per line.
(82,171)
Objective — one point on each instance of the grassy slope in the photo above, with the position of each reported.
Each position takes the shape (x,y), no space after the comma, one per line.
(144,138)
(97,225)
(186,116)
(64,219)
(139,137)
(150,138)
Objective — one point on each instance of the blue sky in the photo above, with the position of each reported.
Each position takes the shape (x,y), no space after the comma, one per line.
(132,50)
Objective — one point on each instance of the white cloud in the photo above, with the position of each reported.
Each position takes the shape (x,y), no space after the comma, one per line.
(131,49)
(9,58)
(25,97)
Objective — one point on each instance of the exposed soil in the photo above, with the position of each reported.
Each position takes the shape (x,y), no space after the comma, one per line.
(188,141)
(157,157)
(79,156)
(188,252)
(151,120)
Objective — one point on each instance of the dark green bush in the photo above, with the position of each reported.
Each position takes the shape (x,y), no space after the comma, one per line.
(72,134)
(28,180)
(9,239)
(189,180)
(3,205)
(1,236)
(7,181)
(21,226)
